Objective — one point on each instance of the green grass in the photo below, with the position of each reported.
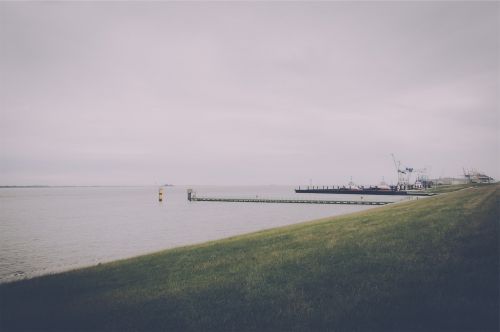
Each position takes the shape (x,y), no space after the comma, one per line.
(428,264)
(452,187)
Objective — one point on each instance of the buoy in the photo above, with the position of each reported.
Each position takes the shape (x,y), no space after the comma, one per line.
(160,194)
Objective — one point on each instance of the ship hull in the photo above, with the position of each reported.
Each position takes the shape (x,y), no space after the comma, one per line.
(360,192)
(350,191)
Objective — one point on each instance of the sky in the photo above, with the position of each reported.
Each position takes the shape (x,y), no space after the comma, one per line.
(250,93)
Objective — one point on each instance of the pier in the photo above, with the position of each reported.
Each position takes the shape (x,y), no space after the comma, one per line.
(193,198)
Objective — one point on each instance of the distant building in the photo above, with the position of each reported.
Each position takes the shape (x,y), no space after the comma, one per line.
(477,177)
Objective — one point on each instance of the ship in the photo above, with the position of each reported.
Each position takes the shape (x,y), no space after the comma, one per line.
(359,191)
(346,190)
(372,190)
(381,189)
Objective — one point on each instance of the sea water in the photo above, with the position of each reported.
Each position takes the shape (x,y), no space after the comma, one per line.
(47,230)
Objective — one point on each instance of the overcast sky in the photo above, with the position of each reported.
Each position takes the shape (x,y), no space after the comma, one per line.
(246,93)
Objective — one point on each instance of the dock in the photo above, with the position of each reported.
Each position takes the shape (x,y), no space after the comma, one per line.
(194,198)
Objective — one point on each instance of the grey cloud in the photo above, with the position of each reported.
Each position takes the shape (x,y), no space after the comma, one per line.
(255,92)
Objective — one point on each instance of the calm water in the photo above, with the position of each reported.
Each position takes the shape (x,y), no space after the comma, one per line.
(45,230)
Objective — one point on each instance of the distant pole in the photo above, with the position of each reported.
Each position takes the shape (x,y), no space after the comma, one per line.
(160,194)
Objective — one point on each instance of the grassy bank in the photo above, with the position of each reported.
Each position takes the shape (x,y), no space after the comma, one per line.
(429,264)
(452,187)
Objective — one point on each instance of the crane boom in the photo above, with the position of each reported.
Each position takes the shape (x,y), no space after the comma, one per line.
(395,163)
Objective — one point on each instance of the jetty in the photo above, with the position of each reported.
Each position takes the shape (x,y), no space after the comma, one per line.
(193,198)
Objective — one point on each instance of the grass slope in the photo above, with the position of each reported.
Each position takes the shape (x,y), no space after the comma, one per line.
(452,187)
(430,264)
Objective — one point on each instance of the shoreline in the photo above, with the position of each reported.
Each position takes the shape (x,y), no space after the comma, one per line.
(77,267)
(414,266)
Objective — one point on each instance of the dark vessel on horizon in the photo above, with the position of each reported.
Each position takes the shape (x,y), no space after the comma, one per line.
(382,189)
(344,190)
(359,191)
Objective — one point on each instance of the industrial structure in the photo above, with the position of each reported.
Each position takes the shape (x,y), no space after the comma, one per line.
(404,185)
(473,176)
(404,177)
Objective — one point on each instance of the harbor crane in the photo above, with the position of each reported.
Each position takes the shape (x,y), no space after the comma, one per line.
(404,174)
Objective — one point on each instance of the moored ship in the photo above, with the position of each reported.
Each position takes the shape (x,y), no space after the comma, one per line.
(348,190)
(351,188)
